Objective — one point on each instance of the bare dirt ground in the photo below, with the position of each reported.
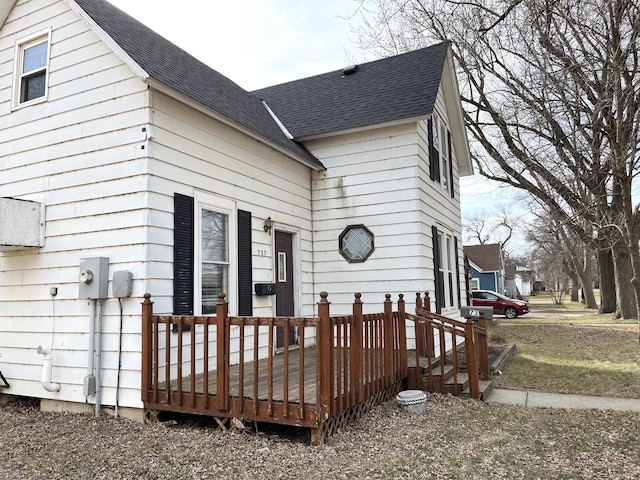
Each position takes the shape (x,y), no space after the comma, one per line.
(457,438)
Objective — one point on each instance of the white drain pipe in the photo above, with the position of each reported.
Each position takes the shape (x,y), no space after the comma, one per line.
(47,384)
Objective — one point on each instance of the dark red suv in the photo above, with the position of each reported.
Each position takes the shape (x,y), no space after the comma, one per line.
(501,304)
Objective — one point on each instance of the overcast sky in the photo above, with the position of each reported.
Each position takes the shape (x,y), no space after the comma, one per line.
(257,43)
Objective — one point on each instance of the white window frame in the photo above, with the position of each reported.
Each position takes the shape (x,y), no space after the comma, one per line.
(205,201)
(444,156)
(475,283)
(20,46)
(447,268)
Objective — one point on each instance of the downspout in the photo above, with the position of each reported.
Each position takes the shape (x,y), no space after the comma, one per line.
(47,384)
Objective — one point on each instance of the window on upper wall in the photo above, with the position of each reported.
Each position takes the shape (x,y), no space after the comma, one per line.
(440,167)
(31,69)
(444,157)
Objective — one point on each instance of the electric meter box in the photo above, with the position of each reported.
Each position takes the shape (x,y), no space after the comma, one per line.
(93,281)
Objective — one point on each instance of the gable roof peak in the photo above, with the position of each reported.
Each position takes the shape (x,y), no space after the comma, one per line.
(385,90)
(172,67)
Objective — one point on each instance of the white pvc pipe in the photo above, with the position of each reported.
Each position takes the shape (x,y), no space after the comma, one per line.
(47,384)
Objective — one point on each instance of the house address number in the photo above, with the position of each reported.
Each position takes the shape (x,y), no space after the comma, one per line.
(262,253)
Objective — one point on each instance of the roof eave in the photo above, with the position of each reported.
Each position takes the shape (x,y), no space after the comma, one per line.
(111,43)
(458,128)
(5,9)
(157,85)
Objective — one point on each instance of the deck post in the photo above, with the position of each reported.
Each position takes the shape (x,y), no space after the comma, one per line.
(472,365)
(421,346)
(222,353)
(402,337)
(356,350)
(147,352)
(483,348)
(388,340)
(324,352)
(430,337)
(420,340)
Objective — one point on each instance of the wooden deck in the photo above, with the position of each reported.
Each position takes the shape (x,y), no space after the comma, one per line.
(341,367)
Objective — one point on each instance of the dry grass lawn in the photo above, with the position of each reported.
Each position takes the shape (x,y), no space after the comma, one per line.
(569,350)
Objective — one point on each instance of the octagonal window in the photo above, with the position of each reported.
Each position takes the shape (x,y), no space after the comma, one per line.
(356,243)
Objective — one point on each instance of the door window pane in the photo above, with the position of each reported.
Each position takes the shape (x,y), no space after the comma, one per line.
(282,267)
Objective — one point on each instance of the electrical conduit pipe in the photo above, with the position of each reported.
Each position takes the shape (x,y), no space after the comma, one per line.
(47,384)
(98,346)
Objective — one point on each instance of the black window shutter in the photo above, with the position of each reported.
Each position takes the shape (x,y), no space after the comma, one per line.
(245,267)
(457,282)
(453,194)
(436,270)
(183,236)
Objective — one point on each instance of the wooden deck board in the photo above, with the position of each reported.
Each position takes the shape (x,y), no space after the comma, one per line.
(278,387)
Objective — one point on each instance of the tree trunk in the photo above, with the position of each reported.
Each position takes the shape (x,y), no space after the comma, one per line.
(575,286)
(586,279)
(626,305)
(635,281)
(606,274)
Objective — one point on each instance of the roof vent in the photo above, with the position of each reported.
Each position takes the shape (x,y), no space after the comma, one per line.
(349,70)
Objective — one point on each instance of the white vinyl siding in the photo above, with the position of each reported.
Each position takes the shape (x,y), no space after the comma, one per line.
(88,169)
(193,154)
(371,179)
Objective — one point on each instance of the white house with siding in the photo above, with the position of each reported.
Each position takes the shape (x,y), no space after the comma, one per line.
(127,166)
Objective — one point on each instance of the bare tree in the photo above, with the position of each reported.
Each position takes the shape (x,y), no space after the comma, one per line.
(489,227)
(551,101)
(565,252)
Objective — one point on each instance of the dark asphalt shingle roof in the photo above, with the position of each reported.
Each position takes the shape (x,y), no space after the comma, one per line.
(486,257)
(175,68)
(394,88)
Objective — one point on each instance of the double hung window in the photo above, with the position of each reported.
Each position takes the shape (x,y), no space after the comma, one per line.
(31,69)
(214,258)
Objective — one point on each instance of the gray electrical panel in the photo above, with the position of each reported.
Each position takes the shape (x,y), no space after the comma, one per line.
(122,282)
(93,281)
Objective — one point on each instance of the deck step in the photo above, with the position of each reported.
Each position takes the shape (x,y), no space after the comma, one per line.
(485,388)
(462,381)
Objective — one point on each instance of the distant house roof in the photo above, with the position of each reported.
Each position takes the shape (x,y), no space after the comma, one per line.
(394,88)
(486,257)
(175,68)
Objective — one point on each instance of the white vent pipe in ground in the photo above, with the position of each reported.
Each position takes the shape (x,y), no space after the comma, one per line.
(47,384)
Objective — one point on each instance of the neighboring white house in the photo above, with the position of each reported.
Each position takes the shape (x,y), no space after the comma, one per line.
(127,166)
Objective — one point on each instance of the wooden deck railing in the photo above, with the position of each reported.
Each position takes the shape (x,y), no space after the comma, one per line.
(446,335)
(228,367)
